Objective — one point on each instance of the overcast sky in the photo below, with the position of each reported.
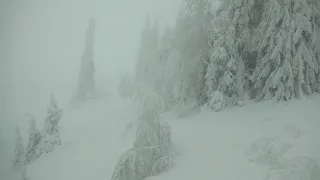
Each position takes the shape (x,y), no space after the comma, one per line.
(41,43)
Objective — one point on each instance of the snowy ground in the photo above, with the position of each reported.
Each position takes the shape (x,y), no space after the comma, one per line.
(217,145)
(210,145)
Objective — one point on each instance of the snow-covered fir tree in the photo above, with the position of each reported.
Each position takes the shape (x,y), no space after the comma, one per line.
(190,47)
(19,160)
(33,150)
(52,129)
(146,70)
(287,61)
(166,74)
(261,48)
(224,76)
(229,52)
(86,82)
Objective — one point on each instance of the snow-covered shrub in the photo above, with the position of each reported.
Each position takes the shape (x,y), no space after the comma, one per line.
(19,160)
(152,149)
(267,151)
(299,168)
(148,157)
(126,166)
(35,140)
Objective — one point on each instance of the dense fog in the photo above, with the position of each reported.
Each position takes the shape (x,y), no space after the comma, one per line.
(42,45)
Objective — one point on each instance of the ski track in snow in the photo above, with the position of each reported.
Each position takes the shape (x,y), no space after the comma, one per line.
(210,145)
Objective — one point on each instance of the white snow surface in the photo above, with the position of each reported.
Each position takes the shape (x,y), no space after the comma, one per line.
(210,145)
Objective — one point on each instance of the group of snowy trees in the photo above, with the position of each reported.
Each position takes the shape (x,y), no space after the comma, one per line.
(38,141)
(262,49)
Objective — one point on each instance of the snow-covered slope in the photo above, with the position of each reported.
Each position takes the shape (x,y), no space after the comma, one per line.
(210,145)
(220,145)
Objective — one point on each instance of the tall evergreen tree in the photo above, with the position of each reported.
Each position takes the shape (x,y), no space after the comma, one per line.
(191,49)
(288,63)
(19,160)
(225,76)
(35,137)
(86,83)
(52,129)
(146,70)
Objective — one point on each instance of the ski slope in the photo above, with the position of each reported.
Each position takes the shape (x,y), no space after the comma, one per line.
(210,145)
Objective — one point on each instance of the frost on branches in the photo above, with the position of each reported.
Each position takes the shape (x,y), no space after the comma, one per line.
(52,129)
(35,139)
(19,161)
(288,63)
(152,151)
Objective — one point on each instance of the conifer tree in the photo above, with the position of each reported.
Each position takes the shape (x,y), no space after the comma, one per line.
(52,129)
(19,160)
(225,70)
(191,49)
(225,76)
(146,70)
(33,150)
(86,83)
(288,63)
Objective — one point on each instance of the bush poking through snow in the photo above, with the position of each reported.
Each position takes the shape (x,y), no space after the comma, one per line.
(267,150)
(299,168)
